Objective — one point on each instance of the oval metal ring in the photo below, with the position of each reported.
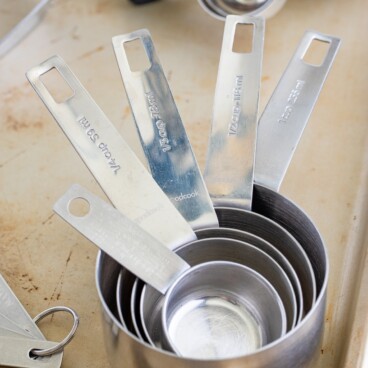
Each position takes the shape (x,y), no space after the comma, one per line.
(60,346)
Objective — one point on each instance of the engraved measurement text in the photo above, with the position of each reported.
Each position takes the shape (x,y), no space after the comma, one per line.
(95,138)
(292,98)
(160,125)
(236,110)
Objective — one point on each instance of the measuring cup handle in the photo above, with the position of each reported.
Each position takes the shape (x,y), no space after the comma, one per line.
(122,239)
(230,157)
(162,134)
(287,112)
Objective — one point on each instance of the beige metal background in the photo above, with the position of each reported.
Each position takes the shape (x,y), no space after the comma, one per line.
(47,263)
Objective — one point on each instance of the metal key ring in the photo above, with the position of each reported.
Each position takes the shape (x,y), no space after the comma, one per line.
(60,346)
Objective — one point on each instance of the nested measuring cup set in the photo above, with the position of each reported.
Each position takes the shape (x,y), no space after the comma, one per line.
(218,270)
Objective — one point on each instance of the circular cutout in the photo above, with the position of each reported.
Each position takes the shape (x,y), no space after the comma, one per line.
(79,207)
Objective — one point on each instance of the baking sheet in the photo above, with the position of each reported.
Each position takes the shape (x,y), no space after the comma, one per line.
(47,263)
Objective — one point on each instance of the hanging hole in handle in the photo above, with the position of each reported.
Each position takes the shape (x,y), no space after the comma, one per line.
(136,55)
(316,52)
(79,207)
(243,38)
(57,86)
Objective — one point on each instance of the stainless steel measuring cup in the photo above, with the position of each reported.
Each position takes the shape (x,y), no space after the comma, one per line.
(224,291)
(171,159)
(152,106)
(220,9)
(241,112)
(209,250)
(288,108)
(298,347)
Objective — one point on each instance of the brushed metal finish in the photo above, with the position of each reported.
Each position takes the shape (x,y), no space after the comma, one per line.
(162,134)
(119,172)
(15,353)
(283,120)
(216,248)
(220,9)
(13,316)
(265,247)
(281,239)
(230,157)
(122,239)
(221,310)
(298,348)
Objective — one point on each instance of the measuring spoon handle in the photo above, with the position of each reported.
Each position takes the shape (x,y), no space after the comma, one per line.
(119,172)
(162,133)
(230,157)
(287,112)
(122,239)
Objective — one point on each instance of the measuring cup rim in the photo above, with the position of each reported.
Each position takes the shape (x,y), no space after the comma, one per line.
(273,345)
(217,264)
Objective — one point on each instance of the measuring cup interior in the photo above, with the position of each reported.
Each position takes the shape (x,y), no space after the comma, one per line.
(275,234)
(294,220)
(220,310)
(220,249)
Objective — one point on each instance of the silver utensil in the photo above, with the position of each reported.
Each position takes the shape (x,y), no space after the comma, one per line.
(109,158)
(162,134)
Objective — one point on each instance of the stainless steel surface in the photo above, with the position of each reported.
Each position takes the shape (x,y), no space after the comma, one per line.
(281,239)
(222,8)
(221,310)
(15,353)
(122,239)
(230,157)
(119,172)
(298,348)
(216,248)
(162,133)
(287,112)
(13,316)
(258,243)
(24,27)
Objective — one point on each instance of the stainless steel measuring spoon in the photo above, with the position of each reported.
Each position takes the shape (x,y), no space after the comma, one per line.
(136,250)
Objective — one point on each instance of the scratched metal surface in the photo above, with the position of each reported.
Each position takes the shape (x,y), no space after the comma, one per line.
(47,263)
